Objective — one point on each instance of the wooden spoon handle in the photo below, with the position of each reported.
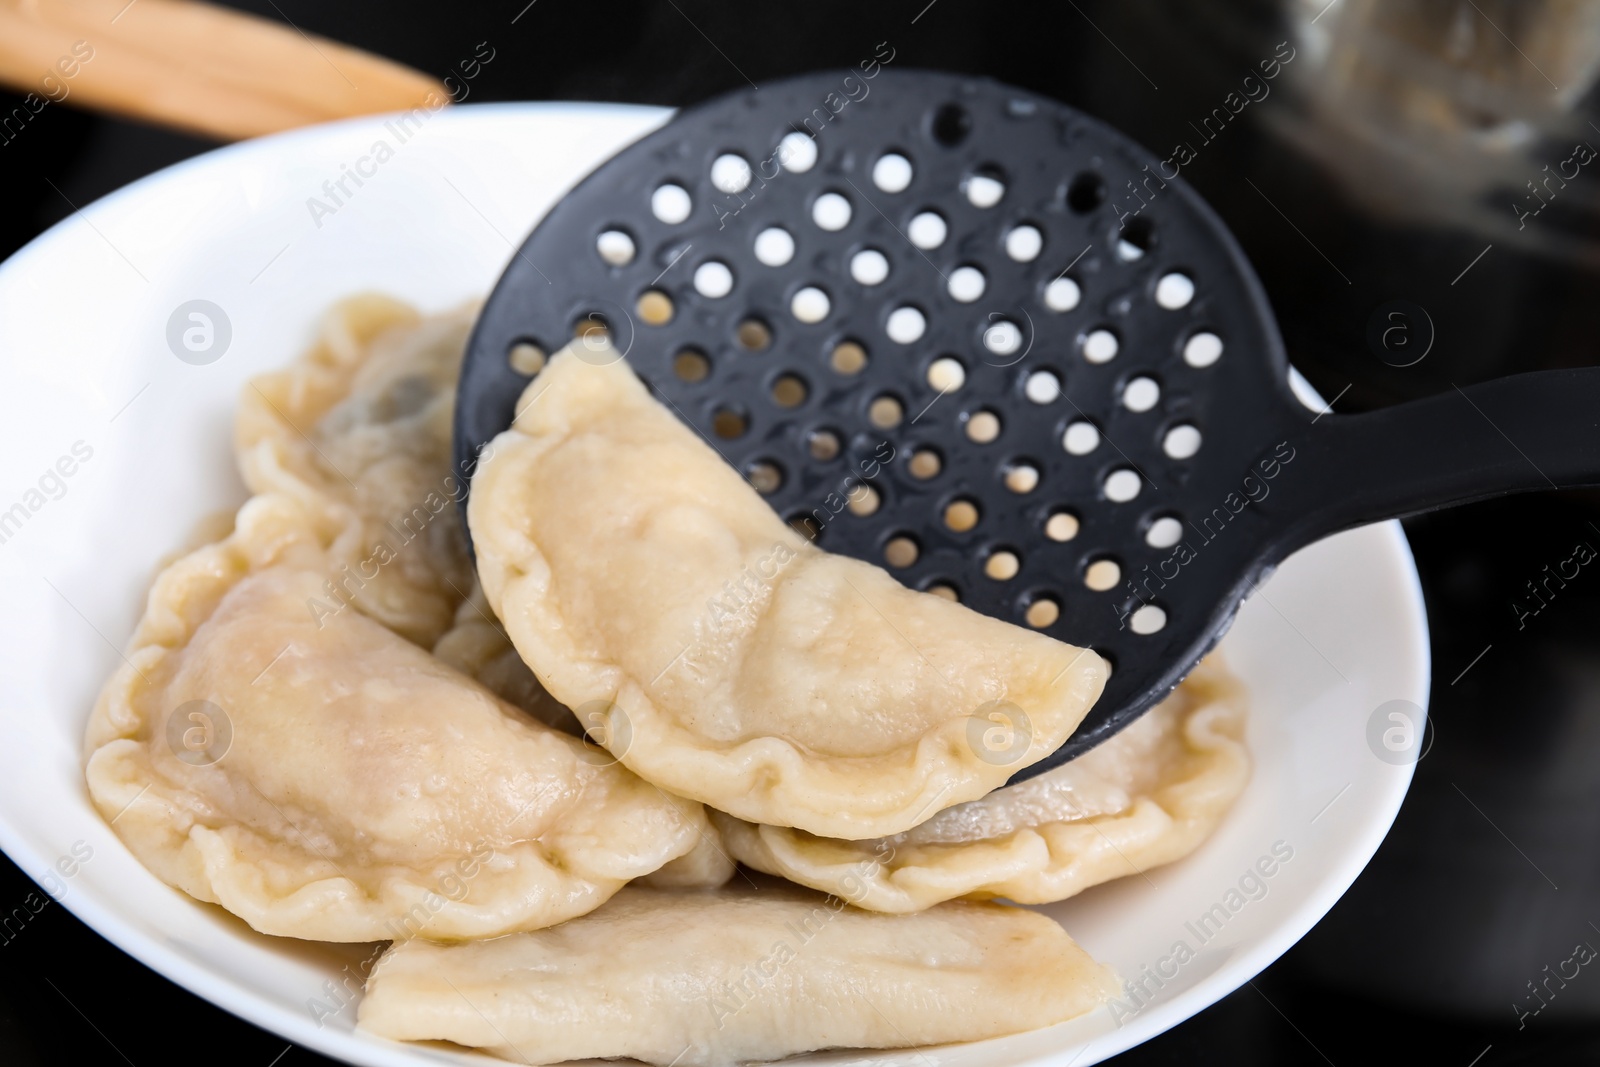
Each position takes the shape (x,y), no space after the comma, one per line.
(194,66)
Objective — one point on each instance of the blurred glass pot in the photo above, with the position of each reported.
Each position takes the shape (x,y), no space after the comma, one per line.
(1461,113)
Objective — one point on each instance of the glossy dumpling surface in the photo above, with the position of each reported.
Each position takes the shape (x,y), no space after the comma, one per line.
(742,666)
(1148,796)
(358,431)
(321,777)
(477,646)
(710,979)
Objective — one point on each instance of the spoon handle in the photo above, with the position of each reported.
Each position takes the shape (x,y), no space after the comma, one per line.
(194,66)
(1539,430)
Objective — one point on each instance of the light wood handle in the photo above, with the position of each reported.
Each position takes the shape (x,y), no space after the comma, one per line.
(197,67)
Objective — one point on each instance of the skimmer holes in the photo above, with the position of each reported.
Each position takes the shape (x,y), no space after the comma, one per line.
(1062,294)
(713,279)
(753,335)
(901,551)
(788,391)
(691,366)
(1141,394)
(1181,442)
(823,445)
(810,305)
(526,357)
(654,307)
(1136,239)
(905,325)
(848,358)
(869,266)
(927,230)
(670,203)
(1081,438)
(1003,338)
(774,246)
(951,124)
(946,374)
(1086,193)
(1002,565)
(966,284)
(892,173)
(961,515)
(864,501)
(1042,387)
(1100,346)
(1043,612)
(1202,350)
(1122,485)
(797,152)
(730,173)
(1022,478)
(983,427)
(984,187)
(885,412)
(924,464)
(1164,532)
(1148,620)
(615,247)
(1174,291)
(1061,526)
(831,212)
(729,423)
(765,477)
(1102,574)
(1024,243)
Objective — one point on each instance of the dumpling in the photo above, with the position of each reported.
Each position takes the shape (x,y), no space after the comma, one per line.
(832,698)
(707,866)
(709,979)
(321,777)
(1148,796)
(376,392)
(358,431)
(478,647)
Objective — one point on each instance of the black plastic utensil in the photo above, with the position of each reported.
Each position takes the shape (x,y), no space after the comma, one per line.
(970,334)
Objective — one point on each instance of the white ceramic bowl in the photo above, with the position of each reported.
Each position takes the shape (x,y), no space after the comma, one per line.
(88,374)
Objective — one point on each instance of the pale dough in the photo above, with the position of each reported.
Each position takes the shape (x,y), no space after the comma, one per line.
(711,979)
(706,867)
(358,431)
(477,646)
(832,699)
(339,783)
(1148,796)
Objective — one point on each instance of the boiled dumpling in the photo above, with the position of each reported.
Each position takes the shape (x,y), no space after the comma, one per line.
(1148,796)
(706,867)
(358,431)
(709,979)
(375,393)
(478,647)
(832,698)
(321,777)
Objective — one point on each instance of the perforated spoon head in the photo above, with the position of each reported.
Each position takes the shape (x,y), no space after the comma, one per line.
(945,326)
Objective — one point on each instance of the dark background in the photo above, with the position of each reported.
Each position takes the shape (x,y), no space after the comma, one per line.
(1467,901)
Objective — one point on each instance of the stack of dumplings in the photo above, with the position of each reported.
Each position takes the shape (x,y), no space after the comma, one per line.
(594,818)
